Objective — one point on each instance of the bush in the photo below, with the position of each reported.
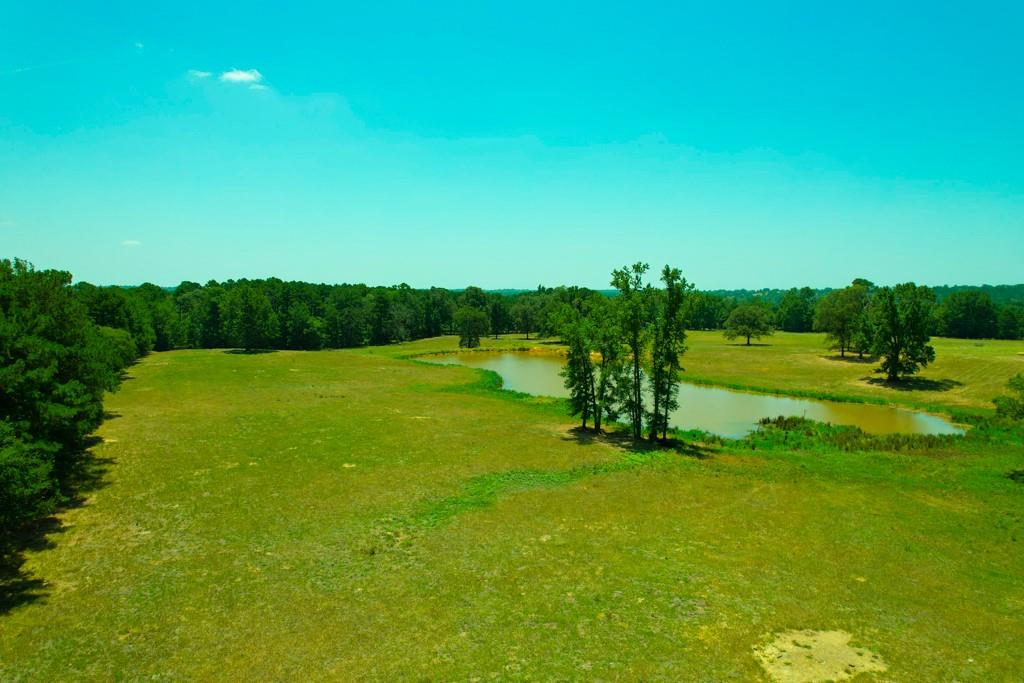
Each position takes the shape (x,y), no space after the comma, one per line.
(1012,407)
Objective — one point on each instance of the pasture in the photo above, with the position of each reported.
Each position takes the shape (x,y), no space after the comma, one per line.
(357,515)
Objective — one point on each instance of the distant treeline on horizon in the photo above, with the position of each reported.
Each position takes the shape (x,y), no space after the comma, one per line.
(275,314)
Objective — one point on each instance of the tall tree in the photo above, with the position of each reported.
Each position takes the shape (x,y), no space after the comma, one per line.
(796,310)
(750,321)
(471,324)
(634,316)
(900,317)
(968,314)
(54,368)
(251,320)
(522,315)
(578,374)
(669,343)
(839,316)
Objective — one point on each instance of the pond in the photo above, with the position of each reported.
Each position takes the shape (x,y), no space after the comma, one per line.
(720,411)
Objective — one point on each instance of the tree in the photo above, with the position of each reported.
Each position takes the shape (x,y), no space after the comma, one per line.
(497,311)
(796,310)
(474,297)
(634,316)
(522,315)
(900,317)
(1012,406)
(839,315)
(54,368)
(380,319)
(968,314)
(1011,322)
(578,374)
(669,343)
(612,374)
(748,321)
(250,320)
(471,324)
(303,330)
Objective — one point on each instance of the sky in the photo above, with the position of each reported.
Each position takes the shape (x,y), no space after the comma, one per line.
(514,144)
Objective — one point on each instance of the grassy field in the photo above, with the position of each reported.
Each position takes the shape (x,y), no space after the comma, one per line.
(355,515)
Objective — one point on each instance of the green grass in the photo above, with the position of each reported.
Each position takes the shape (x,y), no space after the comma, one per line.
(356,515)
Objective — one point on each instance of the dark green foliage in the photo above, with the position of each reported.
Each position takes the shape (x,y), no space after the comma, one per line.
(634,315)
(250,319)
(498,314)
(54,368)
(523,316)
(471,324)
(840,315)
(899,318)
(795,312)
(668,344)
(118,308)
(1012,406)
(749,321)
(791,433)
(578,373)
(1010,322)
(968,315)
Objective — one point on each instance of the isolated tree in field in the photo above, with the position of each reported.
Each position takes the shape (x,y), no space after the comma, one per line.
(749,321)
(839,316)
(471,324)
(251,320)
(634,317)
(1012,406)
(900,317)
(668,344)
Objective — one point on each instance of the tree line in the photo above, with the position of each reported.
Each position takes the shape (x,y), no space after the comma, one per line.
(275,314)
(55,366)
(967,313)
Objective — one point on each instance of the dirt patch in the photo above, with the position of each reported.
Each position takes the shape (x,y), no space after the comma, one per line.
(815,656)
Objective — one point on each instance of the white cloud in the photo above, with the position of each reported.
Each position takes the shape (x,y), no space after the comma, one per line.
(131,243)
(196,73)
(139,46)
(242,76)
(257,86)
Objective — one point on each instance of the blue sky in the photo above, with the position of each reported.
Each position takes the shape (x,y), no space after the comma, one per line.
(508,145)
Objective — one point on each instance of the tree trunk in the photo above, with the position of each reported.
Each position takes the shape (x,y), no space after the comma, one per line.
(748,340)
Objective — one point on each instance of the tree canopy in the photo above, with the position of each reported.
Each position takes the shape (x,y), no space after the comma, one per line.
(749,321)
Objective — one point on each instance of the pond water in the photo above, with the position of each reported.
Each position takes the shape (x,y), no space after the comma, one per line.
(720,411)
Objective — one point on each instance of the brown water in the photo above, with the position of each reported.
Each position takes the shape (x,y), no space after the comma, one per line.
(720,411)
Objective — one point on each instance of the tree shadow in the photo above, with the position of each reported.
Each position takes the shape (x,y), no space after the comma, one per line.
(80,473)
(625,441)
(249,352)
(746,344)
(866,360)
(914,384)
